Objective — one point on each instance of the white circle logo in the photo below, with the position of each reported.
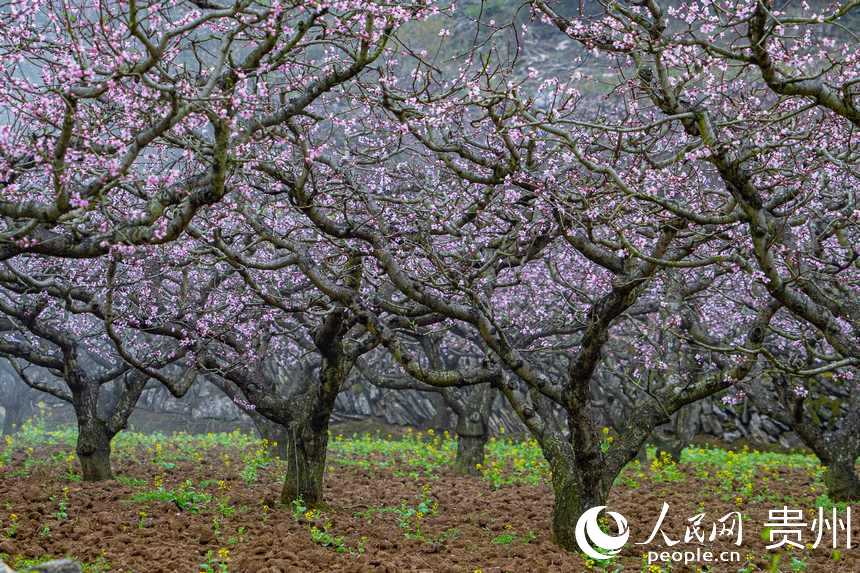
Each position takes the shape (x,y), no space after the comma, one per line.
(593,541)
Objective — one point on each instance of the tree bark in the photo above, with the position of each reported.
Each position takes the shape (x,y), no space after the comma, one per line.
(94,435)
(670,447)
(276,435)
(94,449)
(13,420)
(307,432)
(472,436)
(841,480)
(837,449)
(470,453)
(679,432)
(642,455)
(576,490)
(441,416)
(16,404)
(306,456)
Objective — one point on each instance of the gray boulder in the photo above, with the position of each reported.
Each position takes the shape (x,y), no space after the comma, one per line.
(57,566)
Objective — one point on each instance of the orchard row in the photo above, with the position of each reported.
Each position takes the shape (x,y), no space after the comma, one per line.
(600,215)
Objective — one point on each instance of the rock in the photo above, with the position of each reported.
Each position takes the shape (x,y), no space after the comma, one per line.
(731,436)
(58,566)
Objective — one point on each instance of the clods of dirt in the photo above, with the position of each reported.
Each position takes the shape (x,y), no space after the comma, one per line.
(370,523)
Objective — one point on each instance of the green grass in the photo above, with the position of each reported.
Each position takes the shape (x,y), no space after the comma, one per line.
(510,537)
(737,476)
(186,497)
(425,454)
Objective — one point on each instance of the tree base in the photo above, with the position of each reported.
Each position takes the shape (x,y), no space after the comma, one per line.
(306,457)
(96,466)
(470,454)
(842,482)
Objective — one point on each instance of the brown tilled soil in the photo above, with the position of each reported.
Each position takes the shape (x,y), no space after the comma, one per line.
(475,527)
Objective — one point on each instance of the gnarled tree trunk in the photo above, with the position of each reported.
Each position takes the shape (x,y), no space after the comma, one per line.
(473,425)
(837,444)
(576,490)
(94,437)
(94,449)
(841,480)
(306,450)
(94,432)
(673,437)
(472,436)
(16,415)
(307,434)
(16,402)
(275,434)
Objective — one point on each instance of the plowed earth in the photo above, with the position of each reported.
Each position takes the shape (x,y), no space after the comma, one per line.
(473,528)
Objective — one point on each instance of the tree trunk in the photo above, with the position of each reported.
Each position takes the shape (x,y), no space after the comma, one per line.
(472,436)
(841,480)
(470,454)
(673,437)
(642,455)
(94,438)
(305,456)
(575,492)
(276,435)
(94,450)
(13,420)
(669,448)
(18,409)
(441,416)
(307,433)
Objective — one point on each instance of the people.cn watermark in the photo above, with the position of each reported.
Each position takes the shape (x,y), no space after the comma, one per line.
(784,527)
